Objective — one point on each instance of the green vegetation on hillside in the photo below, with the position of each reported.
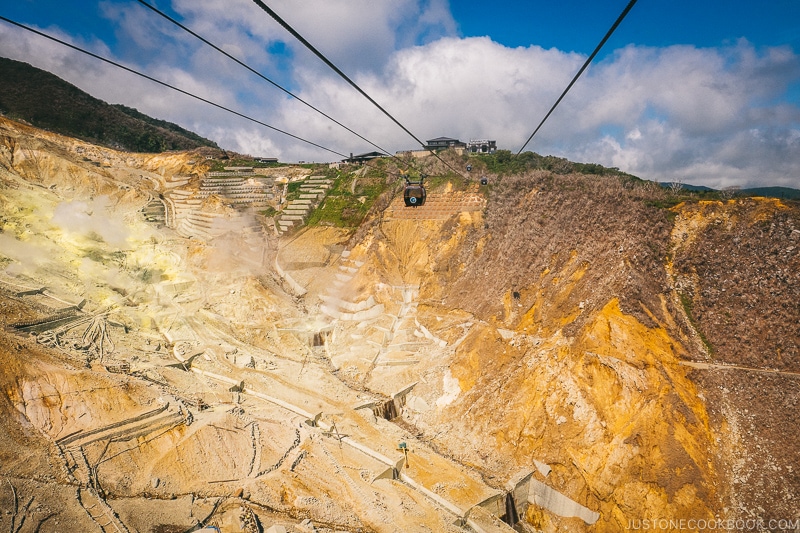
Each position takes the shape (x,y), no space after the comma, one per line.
(503,163)
(135,113)
(48,102)
(236,160)
(688,308)
(350,198)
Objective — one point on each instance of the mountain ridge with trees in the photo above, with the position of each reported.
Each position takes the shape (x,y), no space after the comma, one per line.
(45,101)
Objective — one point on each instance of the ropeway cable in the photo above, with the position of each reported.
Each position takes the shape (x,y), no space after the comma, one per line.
(182,91)
(344,76)
(260,75)
(578,75)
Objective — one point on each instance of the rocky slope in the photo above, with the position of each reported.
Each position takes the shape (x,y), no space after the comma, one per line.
(564,356)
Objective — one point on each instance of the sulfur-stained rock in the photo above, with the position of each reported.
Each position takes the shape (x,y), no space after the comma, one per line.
(569,342)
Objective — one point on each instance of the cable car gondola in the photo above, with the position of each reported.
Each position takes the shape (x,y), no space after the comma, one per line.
(414,192)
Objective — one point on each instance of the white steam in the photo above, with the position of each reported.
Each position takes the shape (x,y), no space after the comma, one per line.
(91,219)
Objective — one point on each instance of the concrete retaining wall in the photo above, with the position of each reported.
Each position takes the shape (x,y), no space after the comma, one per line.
(555,502)
(297,289)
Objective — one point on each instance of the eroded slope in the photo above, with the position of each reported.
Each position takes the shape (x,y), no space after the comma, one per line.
(539,347)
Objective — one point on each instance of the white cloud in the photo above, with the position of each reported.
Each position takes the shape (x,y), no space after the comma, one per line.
(455,87)
(714,116)
(710,116)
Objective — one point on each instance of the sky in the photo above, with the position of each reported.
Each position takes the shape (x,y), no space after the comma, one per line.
(706,93)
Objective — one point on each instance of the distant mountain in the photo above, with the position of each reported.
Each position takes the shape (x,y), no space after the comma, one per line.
(48,102)
(786,193)
(686,186)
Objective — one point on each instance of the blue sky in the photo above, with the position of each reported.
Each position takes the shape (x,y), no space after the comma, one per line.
(701,92)
(578,25)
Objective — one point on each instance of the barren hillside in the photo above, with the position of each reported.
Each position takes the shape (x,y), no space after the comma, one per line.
(550,352)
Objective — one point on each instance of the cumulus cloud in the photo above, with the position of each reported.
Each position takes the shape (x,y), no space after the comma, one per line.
(453,87)
(714,116)
(710,116)
(707,116)
(359,35)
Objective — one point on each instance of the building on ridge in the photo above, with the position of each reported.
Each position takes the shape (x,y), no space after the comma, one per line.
(481,146)
(441,143)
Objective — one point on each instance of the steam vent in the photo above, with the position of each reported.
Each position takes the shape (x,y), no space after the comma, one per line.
(188,345)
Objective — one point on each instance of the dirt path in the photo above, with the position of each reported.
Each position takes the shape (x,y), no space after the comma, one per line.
(713,366)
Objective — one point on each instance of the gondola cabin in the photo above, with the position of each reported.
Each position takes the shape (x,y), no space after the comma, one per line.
(414,193)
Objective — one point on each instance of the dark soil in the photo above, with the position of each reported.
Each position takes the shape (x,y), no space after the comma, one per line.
(746,301)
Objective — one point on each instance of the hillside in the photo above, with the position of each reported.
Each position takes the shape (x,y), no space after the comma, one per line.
(784,193)
(46,101)
(563,349)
